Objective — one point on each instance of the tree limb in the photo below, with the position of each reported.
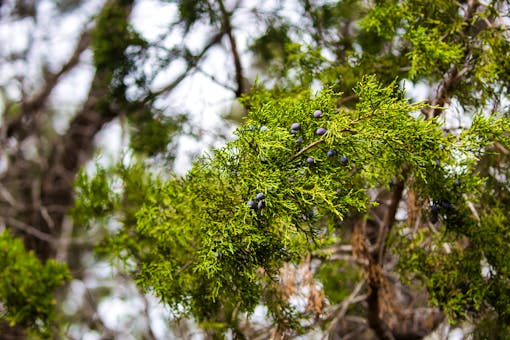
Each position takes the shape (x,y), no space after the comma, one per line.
(389,219)
(23,124)
(340,311)
(192,64)
(12,222)
(453,76)
(227,27)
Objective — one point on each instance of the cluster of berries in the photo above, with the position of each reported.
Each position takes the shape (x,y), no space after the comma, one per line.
(295,127)
(259,203)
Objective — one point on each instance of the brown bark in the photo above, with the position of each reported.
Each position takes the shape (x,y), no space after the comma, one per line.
(68,154)
(375,270)
(227,27)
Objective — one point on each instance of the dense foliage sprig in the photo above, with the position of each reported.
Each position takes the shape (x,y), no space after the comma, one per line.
(275,193)
(27,286)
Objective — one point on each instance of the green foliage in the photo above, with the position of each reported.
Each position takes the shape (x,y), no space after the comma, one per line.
(338,279)
(430,29)
(27,286)
(437,38)
(493,66)
(453,275)
(326,15)
(465,265)
(272,45)
(201,246)
(491,328)
(384,19)
(192,11)
(429,51)
(95,199)
(120,60)
(119,191)
(116,46)
(153,133)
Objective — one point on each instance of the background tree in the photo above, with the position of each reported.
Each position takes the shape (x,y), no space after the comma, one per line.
(375,217)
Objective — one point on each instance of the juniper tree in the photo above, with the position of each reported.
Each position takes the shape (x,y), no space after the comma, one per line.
(403,195)
(353,210)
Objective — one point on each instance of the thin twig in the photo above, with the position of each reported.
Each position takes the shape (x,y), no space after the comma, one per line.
(340,311)
(7,196)
(30,230)
(192,64)
(303,150)
(216,81)
(227,27)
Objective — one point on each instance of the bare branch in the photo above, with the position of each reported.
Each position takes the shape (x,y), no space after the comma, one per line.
(375,274)
(347,99)
(7,196)
(30,230)
(389,219)
(65,239)
(374,305)
(340,311)
(23,124)
(149,333)
(501,148)
(192,64)
(213,78)
(227,27)
(473,209)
